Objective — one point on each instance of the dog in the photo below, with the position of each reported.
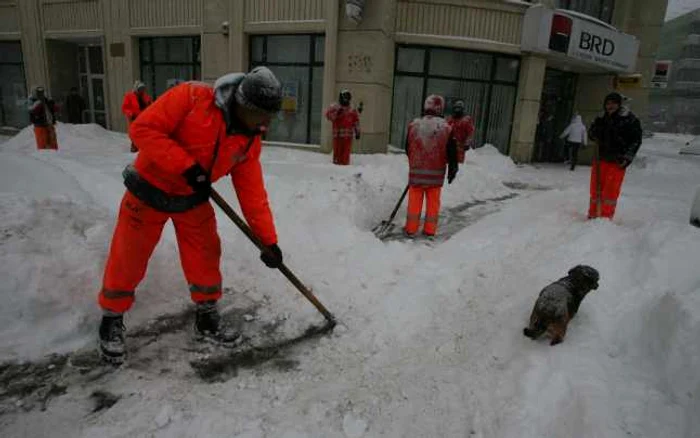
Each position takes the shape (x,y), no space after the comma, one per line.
(559,302)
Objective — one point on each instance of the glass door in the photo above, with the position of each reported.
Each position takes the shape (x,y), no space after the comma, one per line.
(556,109)
(92,79)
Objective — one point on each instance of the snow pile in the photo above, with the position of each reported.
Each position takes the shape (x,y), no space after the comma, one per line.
(431,342)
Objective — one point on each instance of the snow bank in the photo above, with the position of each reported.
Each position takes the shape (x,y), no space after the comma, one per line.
(431,342)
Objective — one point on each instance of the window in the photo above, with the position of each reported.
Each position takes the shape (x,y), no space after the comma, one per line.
(297,61)
(486,82)
(13,91)
(600,9)
(164,59)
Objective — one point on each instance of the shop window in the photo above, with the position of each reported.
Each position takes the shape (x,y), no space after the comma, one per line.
(486,82)
(600,9)
(297,61)
(13,91)
(164,59)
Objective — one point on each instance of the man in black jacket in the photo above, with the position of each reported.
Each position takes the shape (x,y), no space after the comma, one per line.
(619,136)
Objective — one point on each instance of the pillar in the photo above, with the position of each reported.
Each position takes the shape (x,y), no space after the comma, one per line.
(527,108)
(364,64)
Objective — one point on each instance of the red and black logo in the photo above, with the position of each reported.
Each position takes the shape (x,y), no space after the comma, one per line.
(560,35)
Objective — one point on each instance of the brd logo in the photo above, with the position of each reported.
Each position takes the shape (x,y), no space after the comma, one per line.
(594,43)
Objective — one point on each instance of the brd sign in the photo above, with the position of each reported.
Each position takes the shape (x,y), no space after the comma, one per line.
(568,35)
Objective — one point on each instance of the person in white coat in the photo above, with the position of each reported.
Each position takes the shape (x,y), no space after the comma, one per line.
(575,135)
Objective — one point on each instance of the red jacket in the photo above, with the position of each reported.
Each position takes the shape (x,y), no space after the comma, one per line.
(182,128)
(462,130)
(346,121)
(427,143)
(132,106)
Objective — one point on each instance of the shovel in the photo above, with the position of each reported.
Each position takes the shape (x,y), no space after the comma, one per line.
(330,318)
(387,226)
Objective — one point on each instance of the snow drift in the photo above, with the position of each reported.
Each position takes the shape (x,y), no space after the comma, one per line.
(431,342)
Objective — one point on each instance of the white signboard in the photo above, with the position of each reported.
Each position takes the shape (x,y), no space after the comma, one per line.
(558,33)
(662,71)
(595,43)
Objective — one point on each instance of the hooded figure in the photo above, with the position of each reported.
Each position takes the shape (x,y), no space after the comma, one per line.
(618,133)
(190,137)
(431,150)
(135,102)
(575,135)
(346,124)
(462,129)
(42,114)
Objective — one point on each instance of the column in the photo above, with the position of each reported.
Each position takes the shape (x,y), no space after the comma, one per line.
(527,108)
(364,64)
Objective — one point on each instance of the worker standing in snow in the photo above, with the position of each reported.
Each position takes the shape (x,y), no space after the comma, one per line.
(576,136)
(618,133)
(346,124)
(190,137)
(462,129)
(135,102)
(42,114)
(431,150)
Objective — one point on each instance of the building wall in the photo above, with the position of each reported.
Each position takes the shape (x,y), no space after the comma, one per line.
(357,56)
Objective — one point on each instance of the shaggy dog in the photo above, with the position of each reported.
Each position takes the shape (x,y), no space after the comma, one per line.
(559,302)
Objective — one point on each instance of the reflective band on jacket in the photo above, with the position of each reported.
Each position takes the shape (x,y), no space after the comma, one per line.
(343,132)
(207,290)
(428,177)
(116,294)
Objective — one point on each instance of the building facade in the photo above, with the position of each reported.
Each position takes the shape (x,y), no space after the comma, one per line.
(675,104)
(522,68)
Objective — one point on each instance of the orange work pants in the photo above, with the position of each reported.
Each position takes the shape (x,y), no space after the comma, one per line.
(135,237)
(415,207)
(611,178)
(128,125)
(46,137)
(461,154)
(341,150)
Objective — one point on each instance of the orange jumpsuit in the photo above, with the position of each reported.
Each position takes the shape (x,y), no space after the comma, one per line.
(462,130)
(346,124)
(42,114)
(182,128)
(134,104)
(427,149)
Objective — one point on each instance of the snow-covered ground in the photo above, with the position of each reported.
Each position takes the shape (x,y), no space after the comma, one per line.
(431,340)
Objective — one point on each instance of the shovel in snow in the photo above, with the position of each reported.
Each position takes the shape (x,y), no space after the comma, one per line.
(387,226)
(283,268)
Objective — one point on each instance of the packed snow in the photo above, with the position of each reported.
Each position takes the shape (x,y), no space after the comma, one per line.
(430,342)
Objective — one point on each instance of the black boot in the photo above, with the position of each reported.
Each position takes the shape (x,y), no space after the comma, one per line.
(112,345)
(208,327)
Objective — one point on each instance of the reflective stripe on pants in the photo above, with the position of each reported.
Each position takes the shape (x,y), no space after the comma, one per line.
(415,207)
(611,178)
(135,237)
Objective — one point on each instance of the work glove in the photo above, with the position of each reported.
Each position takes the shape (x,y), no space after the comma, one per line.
(198,179)
(272,256)
(451,174)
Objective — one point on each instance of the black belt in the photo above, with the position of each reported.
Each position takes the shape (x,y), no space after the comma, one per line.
(157,198)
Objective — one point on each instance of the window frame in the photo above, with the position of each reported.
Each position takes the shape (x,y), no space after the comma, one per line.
(313,63)
(194,63)
(485,103)
(20,63)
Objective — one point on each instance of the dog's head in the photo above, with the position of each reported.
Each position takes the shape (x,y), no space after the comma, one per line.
(584,277)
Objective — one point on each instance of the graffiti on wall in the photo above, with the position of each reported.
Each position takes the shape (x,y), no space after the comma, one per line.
(358,63)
